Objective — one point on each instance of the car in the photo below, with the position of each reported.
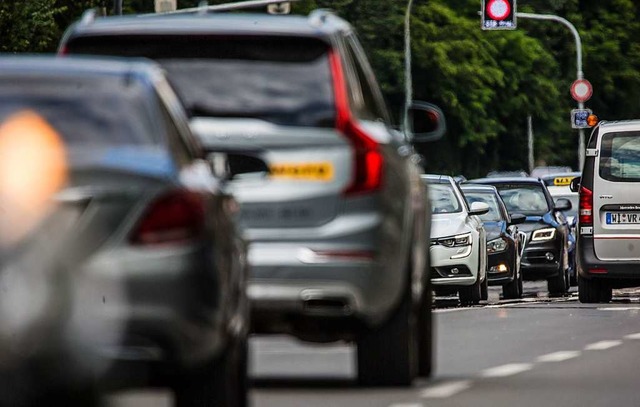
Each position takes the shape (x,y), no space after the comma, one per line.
(337,223)
(543,171)
(608,221)
(501,174)
(505,243)
(546,251)
(142,239)
(559,188)
(458,248)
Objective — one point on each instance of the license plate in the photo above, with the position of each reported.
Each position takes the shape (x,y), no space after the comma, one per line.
(321,171)
(616,218)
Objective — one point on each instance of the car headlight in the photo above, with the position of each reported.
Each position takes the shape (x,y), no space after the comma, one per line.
(456,241)
(496,245)
(543,234)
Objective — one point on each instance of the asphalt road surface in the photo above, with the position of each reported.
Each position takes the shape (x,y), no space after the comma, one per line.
(536,352)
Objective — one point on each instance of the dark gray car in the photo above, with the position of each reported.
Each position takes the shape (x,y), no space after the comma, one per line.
(338,222)
(118,248)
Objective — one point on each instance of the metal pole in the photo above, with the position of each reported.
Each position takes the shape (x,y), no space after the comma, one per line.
(579,73)
(117,7)
(408,80)
(530,142)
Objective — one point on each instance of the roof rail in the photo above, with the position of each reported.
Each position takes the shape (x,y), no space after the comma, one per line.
(239,5)
(319,16)
(89,16)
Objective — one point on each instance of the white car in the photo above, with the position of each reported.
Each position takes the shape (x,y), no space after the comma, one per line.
(458,249)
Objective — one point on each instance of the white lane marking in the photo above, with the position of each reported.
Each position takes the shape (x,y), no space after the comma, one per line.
(632,336)
(407,405)
(308,352)
(602,345)
(445,390)
(559,356)
(506,370)
(618,308)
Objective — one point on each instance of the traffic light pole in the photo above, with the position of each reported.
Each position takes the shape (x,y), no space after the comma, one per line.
(579,74)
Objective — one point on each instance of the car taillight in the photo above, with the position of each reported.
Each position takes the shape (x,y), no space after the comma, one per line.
(174,217)
(368,162)
(63,51)
(586,207)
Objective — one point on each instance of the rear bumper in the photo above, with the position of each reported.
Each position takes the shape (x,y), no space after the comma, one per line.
(147,305)
(620,273)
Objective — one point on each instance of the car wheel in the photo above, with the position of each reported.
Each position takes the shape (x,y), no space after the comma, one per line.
(221,382)
(387,354)
(593,291)
(556,284)
(484,290)
(470,295)
(511,290)
(426,334)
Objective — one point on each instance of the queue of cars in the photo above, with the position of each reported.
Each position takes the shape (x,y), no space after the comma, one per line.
(248,180)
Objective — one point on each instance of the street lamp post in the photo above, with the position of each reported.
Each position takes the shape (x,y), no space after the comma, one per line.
(408,80)
(579,73)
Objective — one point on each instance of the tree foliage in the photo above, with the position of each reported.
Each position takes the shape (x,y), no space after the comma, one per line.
(487,82)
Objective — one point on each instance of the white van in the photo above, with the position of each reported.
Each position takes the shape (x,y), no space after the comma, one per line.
(608,244)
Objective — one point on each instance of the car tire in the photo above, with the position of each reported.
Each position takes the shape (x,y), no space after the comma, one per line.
(556,285)
(484,290)
(512,290)
(470,295)
(221,382)
(387,354)
(426,334)
(593,291)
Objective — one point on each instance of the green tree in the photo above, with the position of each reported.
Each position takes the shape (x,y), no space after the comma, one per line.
(28,26)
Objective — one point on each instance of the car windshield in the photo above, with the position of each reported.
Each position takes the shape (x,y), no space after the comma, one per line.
(443,199)
(84,111)
(279,79)
(494,214)
(527,199)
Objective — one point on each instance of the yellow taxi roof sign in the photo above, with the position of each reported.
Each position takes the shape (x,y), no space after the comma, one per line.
(562,181)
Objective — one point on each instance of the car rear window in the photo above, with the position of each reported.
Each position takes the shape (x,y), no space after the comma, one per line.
(620,156)
(106,111)
(527,199)
(284,80)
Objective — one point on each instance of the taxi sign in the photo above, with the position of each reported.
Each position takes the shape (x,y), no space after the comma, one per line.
(322,171)
(562,181)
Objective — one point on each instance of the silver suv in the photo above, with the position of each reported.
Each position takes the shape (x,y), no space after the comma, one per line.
(338,221)
(608,249)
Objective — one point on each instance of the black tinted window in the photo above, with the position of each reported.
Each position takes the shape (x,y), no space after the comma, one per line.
(620,156)
(279,79)
(105,111)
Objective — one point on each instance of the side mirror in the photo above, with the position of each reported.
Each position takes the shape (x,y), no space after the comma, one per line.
(478,208)
(574,186)
(562,204)
(517,218)
(426,122)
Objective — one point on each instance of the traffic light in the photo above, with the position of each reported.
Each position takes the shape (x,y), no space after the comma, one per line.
(498,14)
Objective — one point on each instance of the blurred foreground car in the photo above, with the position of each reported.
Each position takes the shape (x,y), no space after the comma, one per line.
(338,221)
(546,255)
(504,242)
(149,270)
(458,251)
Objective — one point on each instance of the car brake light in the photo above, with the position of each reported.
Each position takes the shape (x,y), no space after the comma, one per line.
(586,207)
(598,270)
(63,51)
(175,217)
(368,162)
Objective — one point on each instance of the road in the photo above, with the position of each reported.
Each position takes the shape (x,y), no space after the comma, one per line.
(538,351)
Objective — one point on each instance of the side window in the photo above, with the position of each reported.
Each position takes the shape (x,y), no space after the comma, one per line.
(372,103)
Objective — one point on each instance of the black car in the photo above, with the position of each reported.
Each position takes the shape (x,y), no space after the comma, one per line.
(546,249)
(504,241)
(117,227)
